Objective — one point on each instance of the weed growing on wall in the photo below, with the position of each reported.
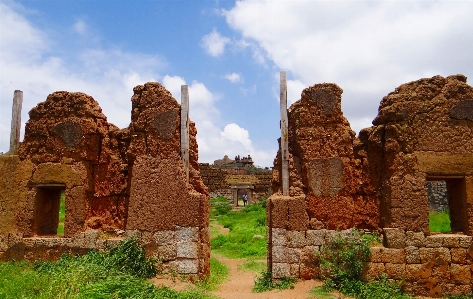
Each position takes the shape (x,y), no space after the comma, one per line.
(341,262)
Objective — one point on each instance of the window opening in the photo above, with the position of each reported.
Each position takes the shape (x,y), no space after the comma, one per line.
(47,214)
(447,204)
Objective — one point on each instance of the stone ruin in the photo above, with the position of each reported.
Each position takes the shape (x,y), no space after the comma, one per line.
(233,178)
(117,183)
(377,182)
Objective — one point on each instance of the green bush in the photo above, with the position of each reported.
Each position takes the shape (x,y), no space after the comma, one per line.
(342,259)
(341,262)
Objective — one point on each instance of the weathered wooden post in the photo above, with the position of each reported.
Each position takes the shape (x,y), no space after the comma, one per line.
(284,134)
(15,122)
(185,128)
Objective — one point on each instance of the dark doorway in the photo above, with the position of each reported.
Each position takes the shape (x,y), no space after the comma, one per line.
(453,188)
(47,208)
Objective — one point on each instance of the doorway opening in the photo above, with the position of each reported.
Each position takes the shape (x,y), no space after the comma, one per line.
(49,210)
(447,203)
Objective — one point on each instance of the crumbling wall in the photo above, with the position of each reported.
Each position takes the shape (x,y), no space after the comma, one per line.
(423,131)
(219,180)
(117,183)
(377,182)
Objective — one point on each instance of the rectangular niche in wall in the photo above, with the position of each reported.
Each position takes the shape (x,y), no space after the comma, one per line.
(47,208)
(448,194)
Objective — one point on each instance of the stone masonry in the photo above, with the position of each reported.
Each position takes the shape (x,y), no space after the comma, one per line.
(116,183)
(377,182)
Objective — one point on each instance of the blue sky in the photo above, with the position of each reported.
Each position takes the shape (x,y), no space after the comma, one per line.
(230,54)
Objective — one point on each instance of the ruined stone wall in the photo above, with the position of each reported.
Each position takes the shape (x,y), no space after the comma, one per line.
(437,194)
(423,132)
(117,183)
(219,180)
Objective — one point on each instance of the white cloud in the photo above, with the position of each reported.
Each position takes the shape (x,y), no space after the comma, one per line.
(214,142)
(235,133)
(234,78)
(368,48)
(80,27)
(214,43)
(108,75)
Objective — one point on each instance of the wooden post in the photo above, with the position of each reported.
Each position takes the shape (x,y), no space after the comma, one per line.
(284,134)
(15,122)
(185,128)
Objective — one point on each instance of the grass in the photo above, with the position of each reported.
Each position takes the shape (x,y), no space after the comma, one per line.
(321,292)
(119,273)
(247,235)
(218,274)
(439,221)
(253,266)
(265,282)
(62,215)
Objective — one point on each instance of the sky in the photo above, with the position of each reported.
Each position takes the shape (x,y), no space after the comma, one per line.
(230,54)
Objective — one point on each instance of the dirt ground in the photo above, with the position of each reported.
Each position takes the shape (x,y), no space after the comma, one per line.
(240,283)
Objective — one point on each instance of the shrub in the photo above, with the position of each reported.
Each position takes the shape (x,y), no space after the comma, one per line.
(341,262)
(342,259)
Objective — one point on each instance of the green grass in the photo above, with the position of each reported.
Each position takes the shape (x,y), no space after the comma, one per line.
(62,215)
(218,274)
(119,273)
(253,266)
(265,282)
(439,221)
(247,235)
(321,292)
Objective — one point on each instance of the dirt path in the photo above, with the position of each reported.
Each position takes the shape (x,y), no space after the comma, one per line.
(240,283)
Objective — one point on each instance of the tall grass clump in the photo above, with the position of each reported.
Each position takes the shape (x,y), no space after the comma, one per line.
(439,221)
(265,282)
(341,262)
(119,273)
(247,233)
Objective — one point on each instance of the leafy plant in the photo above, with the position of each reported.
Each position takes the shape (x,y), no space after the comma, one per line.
(341,263)
(342,259)
(265,283)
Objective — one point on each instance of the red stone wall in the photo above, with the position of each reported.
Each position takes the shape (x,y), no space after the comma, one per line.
(423,131)
(117,182)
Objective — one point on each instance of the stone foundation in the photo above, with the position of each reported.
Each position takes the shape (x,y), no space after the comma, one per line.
(427,265)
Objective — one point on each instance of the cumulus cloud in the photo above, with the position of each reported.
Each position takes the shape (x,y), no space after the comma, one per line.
(108,75)
(213,141)
(234,78)
(214,43)
(366,47)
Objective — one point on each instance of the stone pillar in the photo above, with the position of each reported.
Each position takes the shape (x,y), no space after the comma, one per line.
(284,134)
(235,197)
(185,128)
(15,122)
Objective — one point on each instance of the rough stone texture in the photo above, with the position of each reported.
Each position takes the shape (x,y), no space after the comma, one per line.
(116,183)
(219,180)
(378,181)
